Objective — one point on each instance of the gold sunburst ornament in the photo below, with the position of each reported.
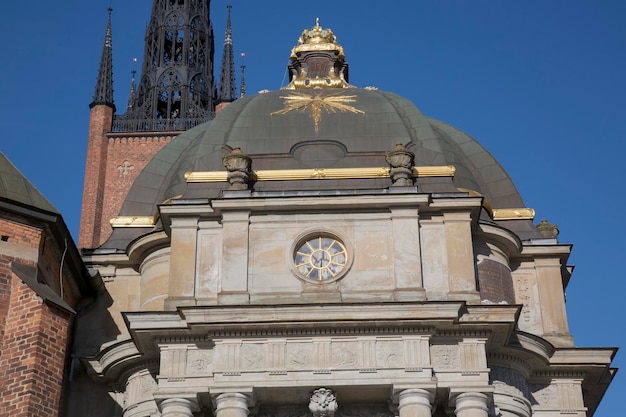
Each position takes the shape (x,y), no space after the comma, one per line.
(316,103)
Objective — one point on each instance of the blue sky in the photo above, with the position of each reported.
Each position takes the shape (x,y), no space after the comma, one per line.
(539,83)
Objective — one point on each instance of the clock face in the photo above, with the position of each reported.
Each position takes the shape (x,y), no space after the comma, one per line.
(321,258)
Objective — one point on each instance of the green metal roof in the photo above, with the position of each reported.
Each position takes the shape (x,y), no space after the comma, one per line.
(14,186)
(357,121)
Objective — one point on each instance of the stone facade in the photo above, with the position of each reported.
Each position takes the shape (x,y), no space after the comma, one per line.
(216,302)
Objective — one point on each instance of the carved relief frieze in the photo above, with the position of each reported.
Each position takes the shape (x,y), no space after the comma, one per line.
(390,354)
(253,356)
(299,355)
(565,396)
(344,355)
(199,362)
(366,354)
(545,396)
(445,356)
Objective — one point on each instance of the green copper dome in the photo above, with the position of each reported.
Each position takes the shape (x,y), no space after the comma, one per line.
(320,128)
(319,121)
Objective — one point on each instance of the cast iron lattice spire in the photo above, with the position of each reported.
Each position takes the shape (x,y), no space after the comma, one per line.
(104,83)
(227,75)
(176,89)
(242,87)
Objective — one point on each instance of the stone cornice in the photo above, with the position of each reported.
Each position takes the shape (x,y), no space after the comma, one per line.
(583,356)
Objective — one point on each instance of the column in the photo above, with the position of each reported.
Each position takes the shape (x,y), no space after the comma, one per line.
(231,404)
(471,404)
(176,407)
(414,403)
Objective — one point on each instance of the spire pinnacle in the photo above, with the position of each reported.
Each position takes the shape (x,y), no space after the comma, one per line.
(133,88)
(227,88)
(242,87)
(104,82)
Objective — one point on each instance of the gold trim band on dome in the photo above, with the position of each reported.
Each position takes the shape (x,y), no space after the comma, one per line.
(513,214)
(132,221)
(321,173)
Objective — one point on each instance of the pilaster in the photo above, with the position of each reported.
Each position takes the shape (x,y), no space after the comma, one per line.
(552,300)
(407,254)
(183,261)
(235,248)
(460,257)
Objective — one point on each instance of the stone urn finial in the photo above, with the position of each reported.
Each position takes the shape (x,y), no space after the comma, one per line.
(238,165)
(547,230)
(323,403)
(401,161)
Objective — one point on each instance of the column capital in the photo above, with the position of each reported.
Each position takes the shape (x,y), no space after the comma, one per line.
(415,402)
(178,407)
(415,389)
(236,395)
(232,404)
(471,404)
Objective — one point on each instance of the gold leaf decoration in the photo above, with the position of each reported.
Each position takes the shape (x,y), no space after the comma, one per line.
(316,104)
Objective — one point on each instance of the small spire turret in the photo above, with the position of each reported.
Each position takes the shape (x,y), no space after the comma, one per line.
(104,83)
(133,88)
(227,88)
(242,88)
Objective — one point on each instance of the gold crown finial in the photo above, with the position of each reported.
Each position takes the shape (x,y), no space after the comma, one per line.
(317,39)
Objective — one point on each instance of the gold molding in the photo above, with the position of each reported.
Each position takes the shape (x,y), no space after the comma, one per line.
(513,214)
(132,221)
(434,171)
(206,176)
(320,173)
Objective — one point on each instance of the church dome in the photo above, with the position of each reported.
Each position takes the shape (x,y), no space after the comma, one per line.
(320,121)
(325,128)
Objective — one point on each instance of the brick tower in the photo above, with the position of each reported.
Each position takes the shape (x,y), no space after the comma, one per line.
(175,92)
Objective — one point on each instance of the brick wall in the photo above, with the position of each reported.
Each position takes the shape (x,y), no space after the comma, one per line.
(113,163)
(13,231)
(126,158)
(33,354)
(33,334)
(100,121)
(5,293)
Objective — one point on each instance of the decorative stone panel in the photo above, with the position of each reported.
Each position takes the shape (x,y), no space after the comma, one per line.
(362,354)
